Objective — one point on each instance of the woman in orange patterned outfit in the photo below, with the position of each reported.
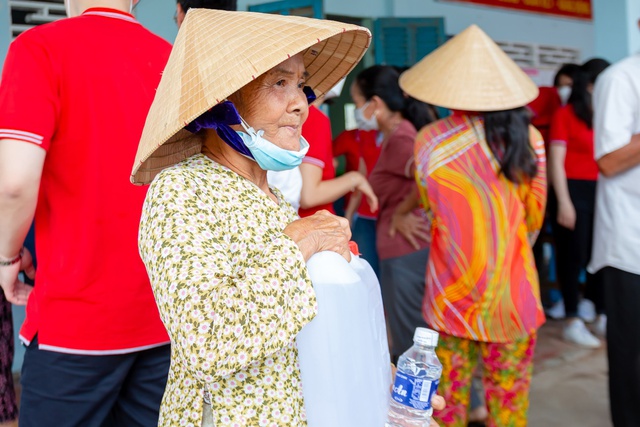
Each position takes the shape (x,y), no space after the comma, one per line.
(481,172)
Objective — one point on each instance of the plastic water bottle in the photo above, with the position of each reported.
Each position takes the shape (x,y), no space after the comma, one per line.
(416,382)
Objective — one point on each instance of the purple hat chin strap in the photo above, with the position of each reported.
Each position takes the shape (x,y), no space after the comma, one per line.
(220,118)
(310,94)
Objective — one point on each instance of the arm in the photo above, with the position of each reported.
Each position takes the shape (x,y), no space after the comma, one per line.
(409,203)
(352,206)
(356,198)
(535,194)
(411,226)
(621,159)
(559,136)
(617,145)
(316,192)
(29,109)
(20,171)
(220,319)
(566,210)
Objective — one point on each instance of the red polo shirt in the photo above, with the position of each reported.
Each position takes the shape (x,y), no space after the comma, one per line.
(357,144)
(80,89)
(568,130)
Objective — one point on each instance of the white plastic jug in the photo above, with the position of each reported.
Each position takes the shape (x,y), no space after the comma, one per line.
(344,355)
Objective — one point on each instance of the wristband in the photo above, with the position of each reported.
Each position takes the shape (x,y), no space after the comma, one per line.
(14,260)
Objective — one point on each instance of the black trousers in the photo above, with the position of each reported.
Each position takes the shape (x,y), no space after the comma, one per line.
(69,390)
(622,294)
(573,249)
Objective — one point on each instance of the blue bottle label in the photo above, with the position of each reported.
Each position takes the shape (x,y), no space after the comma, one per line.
(414,392)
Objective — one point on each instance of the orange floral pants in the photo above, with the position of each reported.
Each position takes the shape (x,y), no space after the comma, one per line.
(506,376)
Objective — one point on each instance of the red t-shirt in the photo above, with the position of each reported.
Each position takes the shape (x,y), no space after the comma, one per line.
(543,108)
(567,129)
(80,89)
(392,180)
(317,131)
(346,144)
(355,145)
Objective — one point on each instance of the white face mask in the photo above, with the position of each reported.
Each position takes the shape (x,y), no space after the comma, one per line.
(564,92)
(335,91)
(362,122)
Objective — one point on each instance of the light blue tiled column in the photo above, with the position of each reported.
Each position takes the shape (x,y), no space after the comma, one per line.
(157,16)
(616,28)
(5,29)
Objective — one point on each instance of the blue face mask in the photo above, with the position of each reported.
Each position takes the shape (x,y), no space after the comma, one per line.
(269,156)
(250,144)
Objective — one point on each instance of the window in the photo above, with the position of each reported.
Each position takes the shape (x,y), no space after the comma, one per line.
(26,14)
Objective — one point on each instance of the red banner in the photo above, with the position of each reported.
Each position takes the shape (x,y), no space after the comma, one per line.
(569,8)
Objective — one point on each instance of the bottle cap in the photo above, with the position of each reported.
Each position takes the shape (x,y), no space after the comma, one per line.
(425,336)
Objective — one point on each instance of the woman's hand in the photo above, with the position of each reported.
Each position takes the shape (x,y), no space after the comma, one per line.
(567,215)
(361,184)
(411,226)
(437,402)
(319,232)
(15,291)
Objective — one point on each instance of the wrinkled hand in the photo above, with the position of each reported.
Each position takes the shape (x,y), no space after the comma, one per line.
(567,215)
(411,226)
(319,232)
(15,291)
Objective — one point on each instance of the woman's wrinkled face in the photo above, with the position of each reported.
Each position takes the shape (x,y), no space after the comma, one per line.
(275,103)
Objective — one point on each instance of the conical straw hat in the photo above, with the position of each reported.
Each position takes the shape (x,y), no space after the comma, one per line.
(218,52)
(471,73)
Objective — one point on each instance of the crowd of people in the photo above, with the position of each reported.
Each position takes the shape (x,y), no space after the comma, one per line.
(178,303)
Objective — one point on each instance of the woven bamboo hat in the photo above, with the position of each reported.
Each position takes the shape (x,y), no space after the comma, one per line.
(471,73)
(218,52)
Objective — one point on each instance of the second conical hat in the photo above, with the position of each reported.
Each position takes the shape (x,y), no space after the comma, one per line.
(470,72)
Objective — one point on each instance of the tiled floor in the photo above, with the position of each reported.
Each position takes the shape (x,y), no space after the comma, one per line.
(569,386)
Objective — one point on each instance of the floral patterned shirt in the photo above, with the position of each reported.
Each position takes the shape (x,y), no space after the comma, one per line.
(233,292)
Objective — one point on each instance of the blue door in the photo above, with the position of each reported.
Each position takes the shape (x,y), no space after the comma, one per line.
(404,41)
(308,8)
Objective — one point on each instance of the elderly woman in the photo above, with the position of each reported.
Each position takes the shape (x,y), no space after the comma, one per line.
(481,173)
(225,253)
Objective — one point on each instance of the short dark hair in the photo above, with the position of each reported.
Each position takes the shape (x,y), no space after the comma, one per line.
(208,4)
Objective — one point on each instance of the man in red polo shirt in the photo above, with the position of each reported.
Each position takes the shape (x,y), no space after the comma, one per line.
(73,100)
